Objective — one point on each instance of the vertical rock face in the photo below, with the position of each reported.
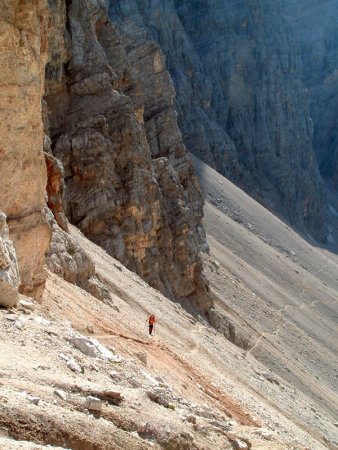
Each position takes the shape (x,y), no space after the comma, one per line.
(314,24)
(9,271)
(23,42)
(130,185)
(241,105)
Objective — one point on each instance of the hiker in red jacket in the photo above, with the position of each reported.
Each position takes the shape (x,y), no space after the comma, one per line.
(151,322)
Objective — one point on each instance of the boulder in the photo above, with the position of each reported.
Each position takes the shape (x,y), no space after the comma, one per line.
(9,271)
(91,347)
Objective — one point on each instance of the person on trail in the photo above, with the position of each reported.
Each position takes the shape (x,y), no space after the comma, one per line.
(151,322)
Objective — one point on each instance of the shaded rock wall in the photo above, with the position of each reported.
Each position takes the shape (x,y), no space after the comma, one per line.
(315,26)
(130,185)
(23,42)
(241,105)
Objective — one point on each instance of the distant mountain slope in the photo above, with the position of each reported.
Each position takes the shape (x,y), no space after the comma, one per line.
(285,292)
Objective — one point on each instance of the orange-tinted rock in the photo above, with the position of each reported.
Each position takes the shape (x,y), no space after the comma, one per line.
(55,186)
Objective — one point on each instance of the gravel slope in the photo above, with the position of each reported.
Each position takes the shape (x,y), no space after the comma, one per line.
(187,386)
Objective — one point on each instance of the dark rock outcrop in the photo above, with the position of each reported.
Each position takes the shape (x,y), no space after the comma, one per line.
(241,105)
(130,184)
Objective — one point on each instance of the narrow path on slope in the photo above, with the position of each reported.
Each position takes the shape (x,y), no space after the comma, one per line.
(302,305)
(160,350)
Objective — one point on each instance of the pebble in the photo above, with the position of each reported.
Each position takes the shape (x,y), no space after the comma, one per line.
(33,399)
(74,366)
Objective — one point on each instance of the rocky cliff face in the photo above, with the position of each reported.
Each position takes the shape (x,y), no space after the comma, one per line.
(241,105)
(23,42)
(314,25)
(130,185)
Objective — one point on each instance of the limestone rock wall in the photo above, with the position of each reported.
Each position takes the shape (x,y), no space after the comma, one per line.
(23,43)
(130,184)
(242,107)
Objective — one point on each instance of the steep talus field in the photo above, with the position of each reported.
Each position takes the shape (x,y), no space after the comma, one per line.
(285,292)
(185,387)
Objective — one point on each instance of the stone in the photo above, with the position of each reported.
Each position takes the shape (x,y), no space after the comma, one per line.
(142,356)
(26,305)
(114,375)
(90,328)
(91,347)
(240,445)
(9,271)
(61,394)
(33,399)
(166,436)
(191,419)
(74,366)
(112,397)
(204,413)
(85,346)
(93,404)
(222,425)
(41,321)
(161,396)
(266,435)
